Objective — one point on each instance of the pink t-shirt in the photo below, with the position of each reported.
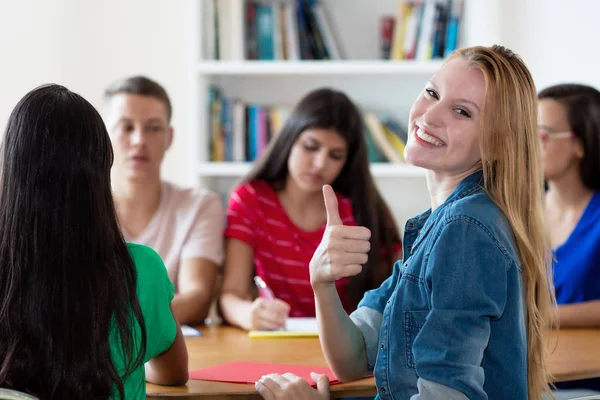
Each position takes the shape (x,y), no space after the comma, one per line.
(282,251)
(187,224)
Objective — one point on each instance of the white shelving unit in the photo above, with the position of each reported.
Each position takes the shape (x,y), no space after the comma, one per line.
(236,169)
(315,68)
(388,87)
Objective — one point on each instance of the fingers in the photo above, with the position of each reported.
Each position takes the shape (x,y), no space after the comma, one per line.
(262,387)
(322,383)
(267,325)
(286,379)
(290,386)
(331,205)
(280,307)
(344,258)
(269,314)
(277,386)
(269,321)
(350,232)
(351,245)
(276,307)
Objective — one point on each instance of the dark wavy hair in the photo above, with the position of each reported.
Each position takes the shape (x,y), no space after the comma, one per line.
(67,281)
(326,108)
(583,111)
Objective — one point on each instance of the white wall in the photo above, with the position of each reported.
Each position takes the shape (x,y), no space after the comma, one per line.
(556,38)
(87,44)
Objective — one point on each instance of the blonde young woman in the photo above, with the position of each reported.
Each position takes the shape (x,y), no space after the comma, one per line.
(464,313)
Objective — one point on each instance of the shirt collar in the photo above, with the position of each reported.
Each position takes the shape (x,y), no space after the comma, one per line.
(421,224)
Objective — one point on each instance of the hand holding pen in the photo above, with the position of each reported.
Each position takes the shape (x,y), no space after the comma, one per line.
(267,312)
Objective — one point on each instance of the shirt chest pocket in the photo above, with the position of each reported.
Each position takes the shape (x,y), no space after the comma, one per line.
(413,322)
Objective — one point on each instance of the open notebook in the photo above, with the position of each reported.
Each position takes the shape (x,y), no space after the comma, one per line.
(294,327)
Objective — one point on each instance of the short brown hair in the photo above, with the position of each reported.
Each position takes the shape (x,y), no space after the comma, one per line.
(141,86)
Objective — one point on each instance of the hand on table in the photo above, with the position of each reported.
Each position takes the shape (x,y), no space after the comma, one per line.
(291,387)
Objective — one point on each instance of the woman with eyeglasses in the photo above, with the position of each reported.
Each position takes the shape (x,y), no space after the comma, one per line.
(569,127)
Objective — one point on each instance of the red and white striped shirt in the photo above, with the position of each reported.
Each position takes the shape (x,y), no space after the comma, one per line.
(282,251)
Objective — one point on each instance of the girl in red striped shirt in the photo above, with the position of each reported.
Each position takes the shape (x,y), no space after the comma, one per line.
(276,216)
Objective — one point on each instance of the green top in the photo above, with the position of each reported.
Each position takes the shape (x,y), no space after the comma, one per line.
(155,292)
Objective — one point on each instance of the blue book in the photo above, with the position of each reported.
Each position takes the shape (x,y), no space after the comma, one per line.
(253,121)
(303,33)
(225,127)
(453,27)
(264,29)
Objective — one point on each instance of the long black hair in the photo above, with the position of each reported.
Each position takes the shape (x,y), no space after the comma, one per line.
(583,111)
(326,108)
(67,281)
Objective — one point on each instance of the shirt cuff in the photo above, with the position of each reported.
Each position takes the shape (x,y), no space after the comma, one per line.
(369,322)
(429,390)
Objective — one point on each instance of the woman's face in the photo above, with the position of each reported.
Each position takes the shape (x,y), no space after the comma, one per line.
(444,120)
(317,158)
(561,150)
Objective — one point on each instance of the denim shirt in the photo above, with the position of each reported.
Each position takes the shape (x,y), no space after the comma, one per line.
(450,322)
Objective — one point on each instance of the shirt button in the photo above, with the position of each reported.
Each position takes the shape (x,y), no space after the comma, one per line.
(389,301)
(382,389)
(406,264)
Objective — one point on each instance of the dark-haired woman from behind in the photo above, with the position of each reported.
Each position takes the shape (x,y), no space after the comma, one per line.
(276,216)
(81,311)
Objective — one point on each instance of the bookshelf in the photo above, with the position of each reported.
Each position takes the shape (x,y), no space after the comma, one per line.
(385,86)
(318,68)
(237,169)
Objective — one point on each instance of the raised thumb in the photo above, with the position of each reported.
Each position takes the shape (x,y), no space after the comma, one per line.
(331,205)
(322,383)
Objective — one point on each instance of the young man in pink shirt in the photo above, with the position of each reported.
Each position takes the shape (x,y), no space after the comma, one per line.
(185,226)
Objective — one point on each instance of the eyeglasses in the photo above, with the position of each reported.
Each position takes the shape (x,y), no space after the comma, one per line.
(545,136)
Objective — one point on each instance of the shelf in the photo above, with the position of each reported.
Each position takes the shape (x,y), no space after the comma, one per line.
(359,67)
(379,170)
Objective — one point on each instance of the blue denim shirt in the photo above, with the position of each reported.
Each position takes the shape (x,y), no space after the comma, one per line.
(450,321)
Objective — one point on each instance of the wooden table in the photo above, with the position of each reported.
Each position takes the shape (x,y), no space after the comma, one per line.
(575,355)
(224,344)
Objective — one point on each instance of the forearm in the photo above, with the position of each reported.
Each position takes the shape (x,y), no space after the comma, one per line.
(191,307)
(342,342)
(586,314)
(236,310)
(170,367)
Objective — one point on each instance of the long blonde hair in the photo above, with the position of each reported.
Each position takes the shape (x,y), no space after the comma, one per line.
(512,167)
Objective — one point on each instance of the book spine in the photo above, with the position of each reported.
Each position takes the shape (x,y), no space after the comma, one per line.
(264,26)
(251,33)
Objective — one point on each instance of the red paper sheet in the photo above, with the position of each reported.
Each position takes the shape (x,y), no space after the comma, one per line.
(250,372)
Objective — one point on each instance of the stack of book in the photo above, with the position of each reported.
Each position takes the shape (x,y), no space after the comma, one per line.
(269,30)
(421,30)
(241,132)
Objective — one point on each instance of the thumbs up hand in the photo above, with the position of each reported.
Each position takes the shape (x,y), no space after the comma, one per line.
(342,250)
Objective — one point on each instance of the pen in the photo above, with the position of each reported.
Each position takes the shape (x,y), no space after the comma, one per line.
(263,289)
